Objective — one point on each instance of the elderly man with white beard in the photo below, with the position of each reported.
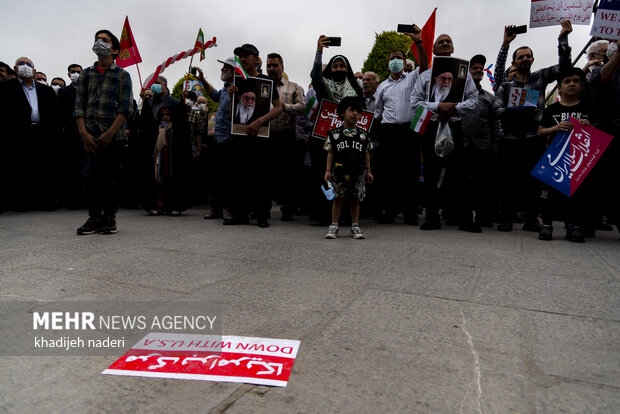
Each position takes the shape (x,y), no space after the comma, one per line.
(433,99)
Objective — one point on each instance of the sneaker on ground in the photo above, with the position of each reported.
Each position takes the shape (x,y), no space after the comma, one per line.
(332,232)
(109,226)
(356,232)
(574,234)
(91,226)
(546,233)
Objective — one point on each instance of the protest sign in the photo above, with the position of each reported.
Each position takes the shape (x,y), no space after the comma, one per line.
(571,156)
(260,361)
(195,86)
(522,98)
(328,119)
(552,12)
(607,20)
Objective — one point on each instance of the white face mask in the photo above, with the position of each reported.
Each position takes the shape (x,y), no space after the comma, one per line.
(25,71)
(202,106)
(101,48)
(611,50)
(74,77)
(189,103)
(42,82)
(55,88)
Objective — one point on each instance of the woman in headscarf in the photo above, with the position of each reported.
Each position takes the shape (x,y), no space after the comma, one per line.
(337,79)
(333,83)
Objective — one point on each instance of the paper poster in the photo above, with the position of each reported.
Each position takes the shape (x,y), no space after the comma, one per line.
(607,20)
(261,361)
(522,98)
(552,12)
(571,156)
(328,119)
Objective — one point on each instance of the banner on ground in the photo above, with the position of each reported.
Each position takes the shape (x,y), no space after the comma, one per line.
(328,119)
(571,157)
(261,361)
(552,12)
(607,20)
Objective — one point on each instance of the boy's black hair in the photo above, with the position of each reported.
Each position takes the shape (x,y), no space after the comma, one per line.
(352,102)
(115,43)
(74,65)
(572,72)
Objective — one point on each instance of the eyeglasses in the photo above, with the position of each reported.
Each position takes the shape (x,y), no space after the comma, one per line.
(23,62)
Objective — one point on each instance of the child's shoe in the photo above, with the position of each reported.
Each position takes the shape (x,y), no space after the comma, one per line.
(356,232)
(332,232)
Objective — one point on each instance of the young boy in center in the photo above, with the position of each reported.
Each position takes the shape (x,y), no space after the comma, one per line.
(348,164)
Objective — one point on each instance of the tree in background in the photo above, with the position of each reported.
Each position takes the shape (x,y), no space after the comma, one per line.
(177,92)
(384,44)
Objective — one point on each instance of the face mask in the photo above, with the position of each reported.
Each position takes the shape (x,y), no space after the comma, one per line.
(25,71)
(189,103)
(101,49)
(396,65)
(55,88)
(202,106)
(42,82)
(339,76)
(359,82)
(611,50)
(226,76)
(74,77)
(157,89)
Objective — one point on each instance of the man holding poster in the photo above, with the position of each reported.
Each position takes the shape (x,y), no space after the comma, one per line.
(251,154)
(519,147)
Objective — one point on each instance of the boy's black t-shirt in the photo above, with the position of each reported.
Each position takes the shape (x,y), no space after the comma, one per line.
(349,146)
(556,113)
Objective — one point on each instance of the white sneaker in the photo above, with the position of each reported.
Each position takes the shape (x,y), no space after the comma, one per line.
(332,232)
(356,232)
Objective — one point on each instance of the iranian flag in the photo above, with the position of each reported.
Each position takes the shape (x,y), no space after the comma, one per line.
(239,69)
(420,120)
(311,107)
(200,44)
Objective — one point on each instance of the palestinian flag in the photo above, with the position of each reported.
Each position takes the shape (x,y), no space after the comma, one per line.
(200,44)
(239,69)
(420,120)
(311,107)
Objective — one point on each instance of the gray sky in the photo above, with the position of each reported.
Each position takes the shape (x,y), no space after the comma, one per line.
(56,33)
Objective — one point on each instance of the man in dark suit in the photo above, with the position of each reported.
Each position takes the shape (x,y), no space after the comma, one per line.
(70,145)
(28,116)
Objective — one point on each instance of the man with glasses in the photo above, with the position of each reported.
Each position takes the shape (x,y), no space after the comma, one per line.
(27,112)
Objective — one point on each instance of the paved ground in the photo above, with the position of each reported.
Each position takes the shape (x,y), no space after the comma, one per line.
(404,321)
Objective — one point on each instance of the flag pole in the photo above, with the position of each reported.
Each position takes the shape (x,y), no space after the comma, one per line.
(188,71)
(137,67)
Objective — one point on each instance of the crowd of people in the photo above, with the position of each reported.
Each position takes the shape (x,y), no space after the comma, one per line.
(88,143)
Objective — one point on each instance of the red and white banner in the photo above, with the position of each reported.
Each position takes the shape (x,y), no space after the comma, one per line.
(261,361)
(328,119)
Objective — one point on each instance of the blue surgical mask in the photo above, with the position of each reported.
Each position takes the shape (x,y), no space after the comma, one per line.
(157,89)
(396,65)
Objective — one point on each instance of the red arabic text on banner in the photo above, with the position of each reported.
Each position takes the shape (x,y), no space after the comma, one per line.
(261,361)
(428,38)
(328,119)
(129,54)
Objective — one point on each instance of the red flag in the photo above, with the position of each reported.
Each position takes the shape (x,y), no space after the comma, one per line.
(428,37)
(129,54)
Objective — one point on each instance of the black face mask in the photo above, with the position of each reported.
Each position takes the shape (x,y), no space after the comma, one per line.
(339,76)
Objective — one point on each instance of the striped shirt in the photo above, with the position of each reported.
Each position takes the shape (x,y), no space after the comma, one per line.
(393,97)
(101,97)
(293,104)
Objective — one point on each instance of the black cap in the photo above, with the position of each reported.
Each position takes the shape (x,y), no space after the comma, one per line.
(478,59)
(246,49)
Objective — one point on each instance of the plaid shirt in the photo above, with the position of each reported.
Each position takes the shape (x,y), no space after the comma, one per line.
(101,97)
(195,125)
(292,96)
